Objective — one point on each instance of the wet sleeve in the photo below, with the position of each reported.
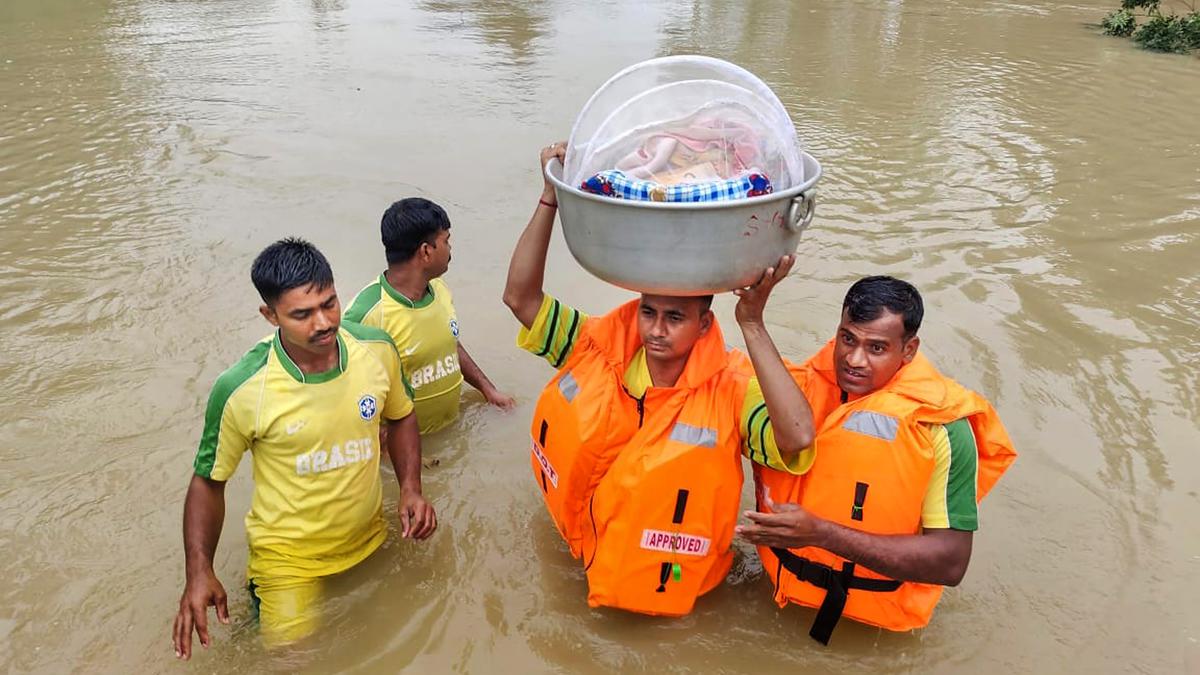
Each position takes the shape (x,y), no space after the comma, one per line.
(400,394)
(758,436)
(554,331)
(951,498)
(227,430)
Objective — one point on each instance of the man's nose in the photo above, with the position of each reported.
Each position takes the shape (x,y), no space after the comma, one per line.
(857,358)
(322,321)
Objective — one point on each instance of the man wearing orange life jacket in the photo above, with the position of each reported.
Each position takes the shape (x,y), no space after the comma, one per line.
(884,517)
(636,441)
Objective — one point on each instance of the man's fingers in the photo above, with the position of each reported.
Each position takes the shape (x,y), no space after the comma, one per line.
(223,608)
(763,519)
(428,522)
(201,619)
(175,637)
(432,522)
(185,633)
(405,522)
(785,265)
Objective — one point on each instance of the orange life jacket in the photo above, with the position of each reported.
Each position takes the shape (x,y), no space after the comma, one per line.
(645,491)
(873,465)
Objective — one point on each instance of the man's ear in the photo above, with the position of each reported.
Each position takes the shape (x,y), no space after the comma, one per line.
(706,320)
(269,314)
(910,348)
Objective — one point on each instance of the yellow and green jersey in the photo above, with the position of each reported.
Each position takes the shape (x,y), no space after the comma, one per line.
(314,443)
(426,333)
(554,333)
(950,500)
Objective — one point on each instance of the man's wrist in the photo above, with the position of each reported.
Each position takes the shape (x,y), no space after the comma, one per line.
(823,531)
(409,488)
(752,326)
(198,570)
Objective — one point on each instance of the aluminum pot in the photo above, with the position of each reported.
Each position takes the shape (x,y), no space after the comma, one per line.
(683,249)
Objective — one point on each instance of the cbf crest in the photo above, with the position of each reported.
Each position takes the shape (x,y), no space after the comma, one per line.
(454,327)
(367,407)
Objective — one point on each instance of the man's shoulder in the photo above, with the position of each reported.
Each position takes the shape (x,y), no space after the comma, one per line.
(234,379)
(367,334)
(364,302)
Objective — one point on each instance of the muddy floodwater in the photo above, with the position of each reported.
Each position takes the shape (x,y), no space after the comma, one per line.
(1039,182)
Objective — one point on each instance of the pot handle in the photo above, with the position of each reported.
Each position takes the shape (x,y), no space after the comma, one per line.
(800,213)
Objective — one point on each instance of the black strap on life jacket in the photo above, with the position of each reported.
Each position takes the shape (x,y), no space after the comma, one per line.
(542,445)
(664,571)
(836,584)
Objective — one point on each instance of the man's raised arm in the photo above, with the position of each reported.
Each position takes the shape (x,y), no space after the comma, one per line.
(523,292)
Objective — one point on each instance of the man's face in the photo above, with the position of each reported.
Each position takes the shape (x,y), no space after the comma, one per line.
(867,355)
(438,252)
(308,318)
(670,326)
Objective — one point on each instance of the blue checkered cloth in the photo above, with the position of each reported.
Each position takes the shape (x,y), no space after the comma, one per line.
(614,183)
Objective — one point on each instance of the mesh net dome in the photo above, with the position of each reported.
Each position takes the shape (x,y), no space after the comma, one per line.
(684,119)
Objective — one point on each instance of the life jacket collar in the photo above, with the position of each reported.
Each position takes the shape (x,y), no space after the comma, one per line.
(708,358)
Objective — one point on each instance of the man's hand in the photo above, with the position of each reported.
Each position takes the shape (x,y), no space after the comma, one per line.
(417,518)
(787,526)
(752,299)
(201,592)
(555,150)
(500,399)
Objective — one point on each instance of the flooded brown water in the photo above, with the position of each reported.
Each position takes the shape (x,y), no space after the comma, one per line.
(1039,182)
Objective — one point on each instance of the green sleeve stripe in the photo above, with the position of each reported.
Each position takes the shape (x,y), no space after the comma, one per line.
(223,389)
(762,439)
(962,507)
(404,378)
(363,303)
(553,326)
(572,333)
(750,430)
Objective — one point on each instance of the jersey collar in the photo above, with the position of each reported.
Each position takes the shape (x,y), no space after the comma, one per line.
(311,378)
(399,297)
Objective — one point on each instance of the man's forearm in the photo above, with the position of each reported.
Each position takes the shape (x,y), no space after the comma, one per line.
(471,371)
(791,416)
(527,268)
(404,447)
(203,516)
(936,557)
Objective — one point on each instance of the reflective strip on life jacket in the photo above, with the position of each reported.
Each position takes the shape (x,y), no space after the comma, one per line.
(873,424)
(699,436)
(568,387)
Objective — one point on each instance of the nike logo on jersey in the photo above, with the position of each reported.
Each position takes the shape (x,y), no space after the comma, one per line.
(411,350)
(293,427)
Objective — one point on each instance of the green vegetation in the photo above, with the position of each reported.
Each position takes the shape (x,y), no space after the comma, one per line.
(1160,32)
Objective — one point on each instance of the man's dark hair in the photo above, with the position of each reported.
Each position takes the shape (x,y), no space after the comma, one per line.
(409,223)
(705,303)
(287,264)
(869,296)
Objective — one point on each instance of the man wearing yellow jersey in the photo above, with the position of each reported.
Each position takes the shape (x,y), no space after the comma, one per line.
(412,303)
(307,402)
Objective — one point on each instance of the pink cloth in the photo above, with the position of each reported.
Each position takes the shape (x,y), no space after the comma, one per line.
(730,148)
